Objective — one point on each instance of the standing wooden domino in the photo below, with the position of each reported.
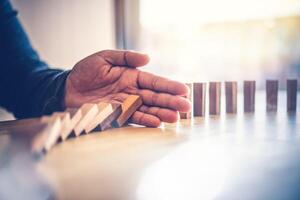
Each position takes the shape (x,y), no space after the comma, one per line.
(214,98)
(89,111)
(231,96)
(291,86)
(271,95)
(249,96)
(107,113)
(129,106)
(187,115)
(199,91)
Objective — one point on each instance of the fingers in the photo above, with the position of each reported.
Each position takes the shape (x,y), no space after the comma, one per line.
(165,115)
(152,82)
(145,119)
(124,58)
(163,100)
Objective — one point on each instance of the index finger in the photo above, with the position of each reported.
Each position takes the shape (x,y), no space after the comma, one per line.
(160,84)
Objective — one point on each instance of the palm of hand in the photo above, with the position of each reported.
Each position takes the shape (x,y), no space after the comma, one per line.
(110,76)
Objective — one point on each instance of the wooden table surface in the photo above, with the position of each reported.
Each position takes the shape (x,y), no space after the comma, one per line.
(242,156)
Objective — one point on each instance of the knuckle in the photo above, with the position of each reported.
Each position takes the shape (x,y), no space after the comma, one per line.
(154,98)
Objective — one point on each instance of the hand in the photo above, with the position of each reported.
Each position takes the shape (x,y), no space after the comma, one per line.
(111,75)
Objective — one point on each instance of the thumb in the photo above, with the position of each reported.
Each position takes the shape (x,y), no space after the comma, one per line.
(124,58)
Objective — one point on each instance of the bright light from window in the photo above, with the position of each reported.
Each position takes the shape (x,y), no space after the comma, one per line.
(196,40)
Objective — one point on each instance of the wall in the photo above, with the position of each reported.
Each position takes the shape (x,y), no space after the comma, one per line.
(65,31)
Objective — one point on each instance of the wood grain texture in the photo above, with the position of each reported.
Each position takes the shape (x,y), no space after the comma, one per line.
(231,96)
(199,95)
(271,95)
(291,87)
(214,98)
(88,111)
(160,163)
(249,96)
(129,106)
(187,115)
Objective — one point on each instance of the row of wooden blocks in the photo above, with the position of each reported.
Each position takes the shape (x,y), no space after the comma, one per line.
(198,96)
(46,131)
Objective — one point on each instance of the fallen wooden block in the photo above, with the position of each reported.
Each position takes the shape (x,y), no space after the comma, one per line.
(129,106)
(187,115)
(271,95)
(291,86)
(106,115)
(89,111)
(214,98)
(19,124)
(231,96)
(249,96)
(199,95)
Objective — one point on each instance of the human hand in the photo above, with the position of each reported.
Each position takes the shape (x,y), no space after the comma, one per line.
(112,75)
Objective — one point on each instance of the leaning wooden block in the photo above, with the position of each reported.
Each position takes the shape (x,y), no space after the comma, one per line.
(249,96)
(23,137)
(199,95)
(41,133)
(89,111)
(75,117)
(214,98)
(64,117)
(46,138)
(129,106)
(291,86)
(106,115)
(187,115)
(231,96)
(271,95)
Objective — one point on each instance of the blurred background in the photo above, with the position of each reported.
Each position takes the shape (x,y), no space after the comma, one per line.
(190,40)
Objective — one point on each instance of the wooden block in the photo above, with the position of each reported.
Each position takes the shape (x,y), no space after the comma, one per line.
(187,115)
(231,96)
(22,138)
(271,95)
(106,115)
(53,131)
(19,124)
(89,111)
(214,98)
(291,86)
(20,128)
(249,96)
(199,95)
(129,106)
(75,117)
(42,133)
(46,138)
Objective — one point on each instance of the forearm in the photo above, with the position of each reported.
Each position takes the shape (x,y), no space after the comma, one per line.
(28,88)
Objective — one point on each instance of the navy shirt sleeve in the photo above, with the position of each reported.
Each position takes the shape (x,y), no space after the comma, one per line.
(28,88)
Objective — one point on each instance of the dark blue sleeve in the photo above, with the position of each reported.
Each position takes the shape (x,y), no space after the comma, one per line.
(28,88)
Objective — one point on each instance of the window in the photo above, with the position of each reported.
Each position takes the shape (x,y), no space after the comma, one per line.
(203,40)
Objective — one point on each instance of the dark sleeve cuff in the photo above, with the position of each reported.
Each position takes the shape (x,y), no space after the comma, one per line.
(55,100)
